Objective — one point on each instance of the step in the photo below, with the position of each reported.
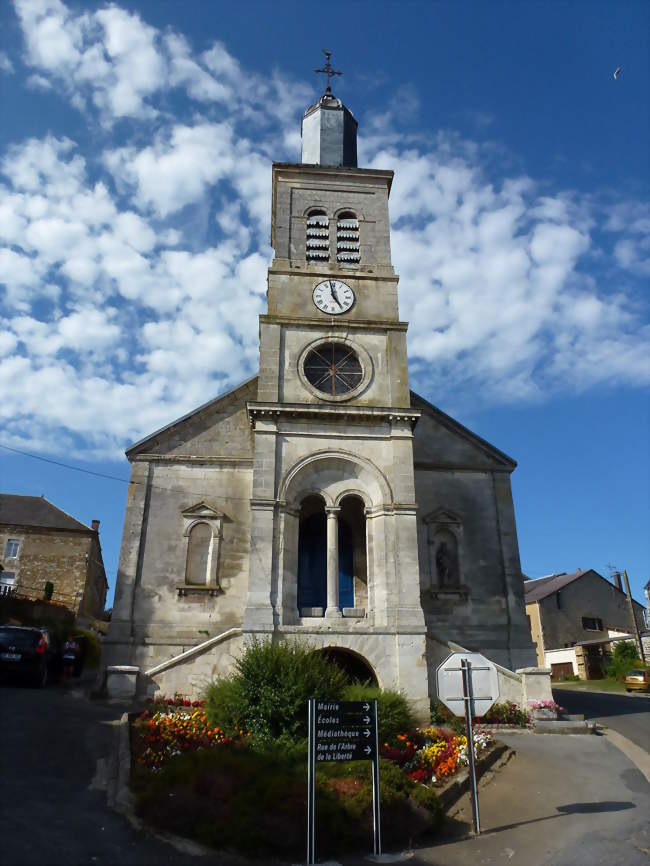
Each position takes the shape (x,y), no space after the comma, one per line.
(562,726)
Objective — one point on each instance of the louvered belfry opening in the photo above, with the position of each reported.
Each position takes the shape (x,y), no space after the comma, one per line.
(347,238)
(317,244)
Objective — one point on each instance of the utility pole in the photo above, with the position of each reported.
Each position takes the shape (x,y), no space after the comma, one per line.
(635,625)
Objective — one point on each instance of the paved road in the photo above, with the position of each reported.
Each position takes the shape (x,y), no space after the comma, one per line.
(627,714)
(574,800)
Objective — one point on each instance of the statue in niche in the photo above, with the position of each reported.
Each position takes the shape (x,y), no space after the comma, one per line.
(446,565)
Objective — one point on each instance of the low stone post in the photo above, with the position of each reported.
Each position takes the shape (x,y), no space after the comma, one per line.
(535,684)
(121,682)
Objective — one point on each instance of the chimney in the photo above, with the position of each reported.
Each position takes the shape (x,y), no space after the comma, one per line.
(617,580)
(95,525)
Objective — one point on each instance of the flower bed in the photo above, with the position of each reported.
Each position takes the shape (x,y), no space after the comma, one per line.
(171,727)
(432,755)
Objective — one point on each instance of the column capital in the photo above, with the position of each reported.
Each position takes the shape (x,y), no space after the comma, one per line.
(332,510)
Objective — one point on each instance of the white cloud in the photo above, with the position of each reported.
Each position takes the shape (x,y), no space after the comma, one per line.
(5,63)
(133,264)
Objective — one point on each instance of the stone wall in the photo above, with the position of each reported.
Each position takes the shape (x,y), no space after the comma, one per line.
(69,559)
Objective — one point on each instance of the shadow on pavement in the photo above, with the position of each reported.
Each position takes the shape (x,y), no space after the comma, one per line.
(456,829)
(594,704)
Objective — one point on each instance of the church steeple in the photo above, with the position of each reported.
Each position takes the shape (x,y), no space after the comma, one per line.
(329,130)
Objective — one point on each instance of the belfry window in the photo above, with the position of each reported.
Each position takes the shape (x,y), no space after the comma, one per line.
(347,238)
(317,241)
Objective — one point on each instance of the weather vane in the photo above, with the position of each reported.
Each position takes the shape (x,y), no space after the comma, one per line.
(327,70)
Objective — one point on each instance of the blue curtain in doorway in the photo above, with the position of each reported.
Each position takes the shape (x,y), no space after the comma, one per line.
(312,561)
(346,567)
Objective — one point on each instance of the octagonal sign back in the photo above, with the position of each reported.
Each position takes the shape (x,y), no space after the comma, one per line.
(484,682)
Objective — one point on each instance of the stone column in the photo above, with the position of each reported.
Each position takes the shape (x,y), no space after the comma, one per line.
(332,562)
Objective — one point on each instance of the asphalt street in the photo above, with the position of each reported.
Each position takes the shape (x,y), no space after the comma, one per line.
(572,800)
(627,714)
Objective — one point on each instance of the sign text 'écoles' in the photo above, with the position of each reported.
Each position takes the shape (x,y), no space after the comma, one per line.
(343,713)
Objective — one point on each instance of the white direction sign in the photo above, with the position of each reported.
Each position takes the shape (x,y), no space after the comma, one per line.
(483,683)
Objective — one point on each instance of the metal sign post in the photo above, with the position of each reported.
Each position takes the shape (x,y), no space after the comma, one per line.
(466,668)
(342,731)
(468,684)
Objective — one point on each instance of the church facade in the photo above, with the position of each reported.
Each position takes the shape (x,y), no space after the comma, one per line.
(321,499)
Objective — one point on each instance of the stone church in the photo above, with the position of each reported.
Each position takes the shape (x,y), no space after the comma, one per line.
(321,499)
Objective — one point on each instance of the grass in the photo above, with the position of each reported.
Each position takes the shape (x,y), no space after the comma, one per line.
(607,684)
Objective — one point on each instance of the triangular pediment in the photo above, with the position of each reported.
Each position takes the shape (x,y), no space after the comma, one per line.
(219,427)
(442,516)
(441,442)
(201,509)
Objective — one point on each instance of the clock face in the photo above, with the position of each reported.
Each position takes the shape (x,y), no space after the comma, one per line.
(333,297)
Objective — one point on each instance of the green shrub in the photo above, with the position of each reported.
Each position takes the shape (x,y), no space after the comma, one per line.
(267,694)
(506,713)
(623,658)
(94,649)
(255,802)
(442,717)
(393,711)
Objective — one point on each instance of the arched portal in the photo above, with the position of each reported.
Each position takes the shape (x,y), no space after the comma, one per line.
(353,568)
(352,664)
(312,556)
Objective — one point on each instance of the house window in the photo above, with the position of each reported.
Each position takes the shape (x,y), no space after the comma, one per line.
(7,582)
(590,623)
(317,241)
(347,238)
(11,548)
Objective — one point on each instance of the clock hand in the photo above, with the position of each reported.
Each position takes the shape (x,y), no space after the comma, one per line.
(334,294)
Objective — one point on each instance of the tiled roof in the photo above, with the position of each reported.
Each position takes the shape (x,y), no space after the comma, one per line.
(536,590)
(35,511)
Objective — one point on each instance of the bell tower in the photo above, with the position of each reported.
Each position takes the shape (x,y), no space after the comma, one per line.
(334,549)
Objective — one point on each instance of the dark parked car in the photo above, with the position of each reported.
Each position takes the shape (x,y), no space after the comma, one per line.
(29,653)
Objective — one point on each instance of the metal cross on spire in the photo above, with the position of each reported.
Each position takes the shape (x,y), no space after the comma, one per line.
(327,70)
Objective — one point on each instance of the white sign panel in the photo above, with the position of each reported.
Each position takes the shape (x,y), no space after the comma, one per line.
(484,683)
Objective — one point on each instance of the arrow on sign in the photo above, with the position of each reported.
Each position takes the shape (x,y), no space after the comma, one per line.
(367,750)
(366,706)
(366,733)
(366,720)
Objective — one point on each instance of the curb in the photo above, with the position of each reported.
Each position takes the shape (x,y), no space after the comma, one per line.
(497,758)
(639,757)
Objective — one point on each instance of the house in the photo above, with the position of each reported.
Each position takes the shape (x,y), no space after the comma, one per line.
(321,498)
(575,617)
(40,544)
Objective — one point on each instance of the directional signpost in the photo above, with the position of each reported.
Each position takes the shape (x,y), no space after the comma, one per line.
(468,684)
(342,731)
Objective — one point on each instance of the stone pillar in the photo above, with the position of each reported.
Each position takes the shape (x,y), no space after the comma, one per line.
(332,562)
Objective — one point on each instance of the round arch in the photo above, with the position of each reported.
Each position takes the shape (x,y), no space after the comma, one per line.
(333,475)
(352,663)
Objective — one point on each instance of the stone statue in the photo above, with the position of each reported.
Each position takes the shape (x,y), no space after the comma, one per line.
(445,565)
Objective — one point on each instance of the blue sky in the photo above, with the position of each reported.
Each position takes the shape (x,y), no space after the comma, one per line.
(135,154)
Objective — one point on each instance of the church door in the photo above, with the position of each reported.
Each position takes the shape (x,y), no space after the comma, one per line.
(346,566)
(312,561)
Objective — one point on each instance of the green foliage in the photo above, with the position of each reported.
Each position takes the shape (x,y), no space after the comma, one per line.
(506,713)
(442,717)
(393,710)
(94,648)
(48,590)
(623,658)
(267,694)
(255,802)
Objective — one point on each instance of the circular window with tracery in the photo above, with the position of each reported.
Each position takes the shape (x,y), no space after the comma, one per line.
(333,369)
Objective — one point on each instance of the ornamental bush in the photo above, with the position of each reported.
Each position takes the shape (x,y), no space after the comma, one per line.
(506,713)
(623,658)
(393,710)
(267,694)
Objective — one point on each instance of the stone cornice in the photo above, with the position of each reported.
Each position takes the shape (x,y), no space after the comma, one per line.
(213,460)
(332,324)
(276,411)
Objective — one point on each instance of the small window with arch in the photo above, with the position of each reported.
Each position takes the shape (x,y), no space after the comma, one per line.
(317,241)
(347,238)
